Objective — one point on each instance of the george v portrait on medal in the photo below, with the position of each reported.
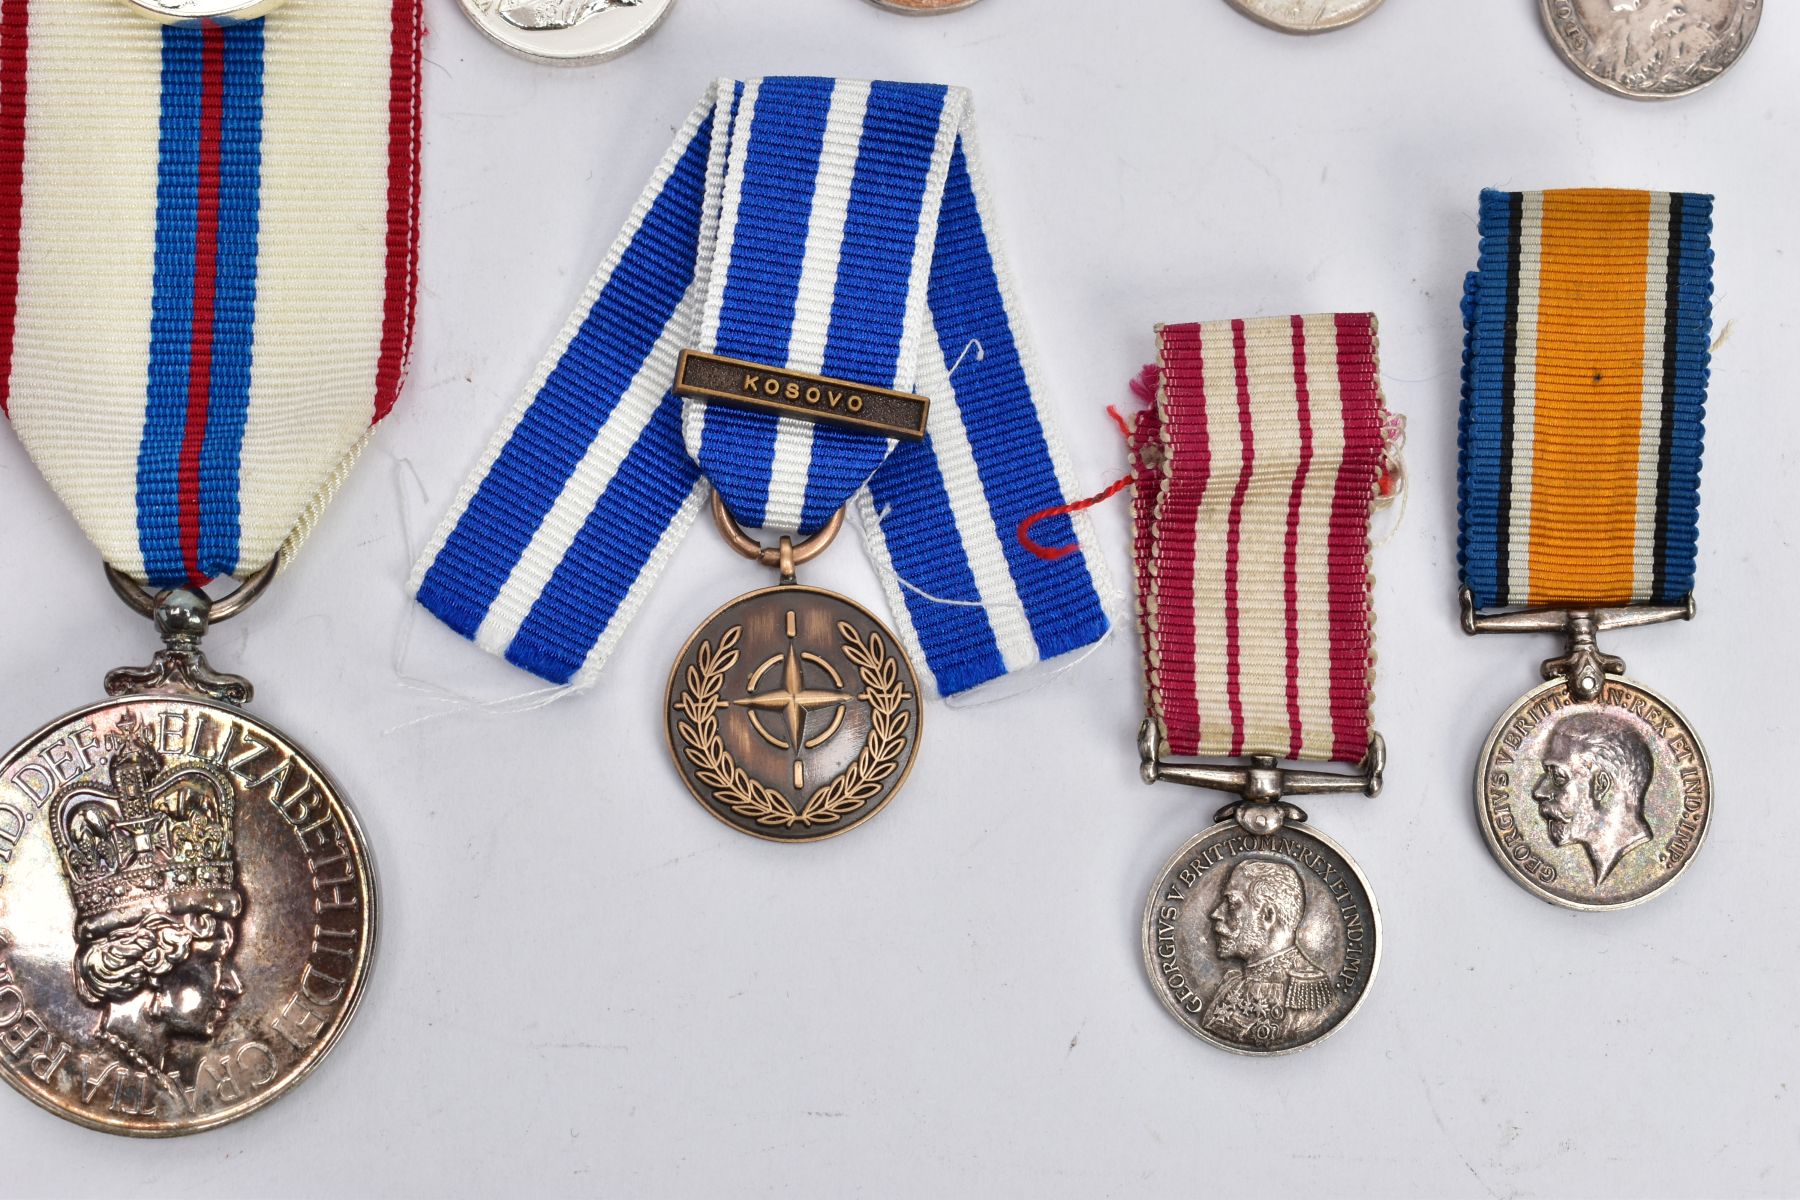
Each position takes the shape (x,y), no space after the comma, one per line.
(1596,775)
(1276,993)
(1261,944)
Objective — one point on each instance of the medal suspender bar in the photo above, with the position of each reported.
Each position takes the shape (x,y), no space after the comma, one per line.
(1589,320)
(1256,471)
(805,312)
(207,252)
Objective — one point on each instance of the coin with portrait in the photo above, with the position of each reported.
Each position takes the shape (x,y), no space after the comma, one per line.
(1261,944)
(187,916)
(1594,805)
(1651,49)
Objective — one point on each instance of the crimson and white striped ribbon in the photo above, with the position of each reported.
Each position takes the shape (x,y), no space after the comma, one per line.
(1256,471)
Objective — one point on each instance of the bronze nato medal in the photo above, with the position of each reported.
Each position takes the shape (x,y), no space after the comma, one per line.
(793,713)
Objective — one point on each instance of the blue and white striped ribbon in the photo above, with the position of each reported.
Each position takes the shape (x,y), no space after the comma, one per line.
(825,226)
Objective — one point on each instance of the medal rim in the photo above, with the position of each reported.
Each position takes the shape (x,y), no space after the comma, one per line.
(1148,941)
(1266,22)
(675,675)
(1493,843)
(358,983)
(922,10)
(527,48)
(1548,17)
(246,10)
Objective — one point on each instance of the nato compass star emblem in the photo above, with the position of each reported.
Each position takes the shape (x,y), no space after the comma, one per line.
(793,701)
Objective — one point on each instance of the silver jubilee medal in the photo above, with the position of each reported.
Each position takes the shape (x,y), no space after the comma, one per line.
(1261,935)
(1582,421)
(187,906)
(806,318)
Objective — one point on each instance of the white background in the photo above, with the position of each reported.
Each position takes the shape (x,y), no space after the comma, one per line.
(589,986)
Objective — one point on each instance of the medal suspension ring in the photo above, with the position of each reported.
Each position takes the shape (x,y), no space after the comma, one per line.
(733,787)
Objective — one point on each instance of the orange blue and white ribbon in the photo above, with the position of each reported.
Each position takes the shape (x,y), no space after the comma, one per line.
(208,240)
(1584,394)
(1257,468)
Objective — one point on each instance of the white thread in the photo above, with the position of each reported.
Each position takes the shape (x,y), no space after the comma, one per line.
(916,590)
(903,581)
(980,355)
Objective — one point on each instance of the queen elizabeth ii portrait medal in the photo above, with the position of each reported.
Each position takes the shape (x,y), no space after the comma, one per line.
(193,353)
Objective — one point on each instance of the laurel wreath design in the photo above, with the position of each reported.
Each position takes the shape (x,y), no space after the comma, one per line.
(733,787)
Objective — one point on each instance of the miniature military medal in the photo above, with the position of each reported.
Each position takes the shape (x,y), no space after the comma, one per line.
(1256,470)
(1584,391)
(187,914)
(792,712)
(806,316)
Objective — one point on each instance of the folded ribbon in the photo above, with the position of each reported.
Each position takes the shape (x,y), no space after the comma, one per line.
(1257,468)
(1584,397)
(816,225)
(208,239)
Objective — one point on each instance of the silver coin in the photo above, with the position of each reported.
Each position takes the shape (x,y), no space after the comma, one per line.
(186,12)
(567,31)
(1651,49)
(1306,16)
(187,916)
(1261,944)
(1594,805)
(919,8)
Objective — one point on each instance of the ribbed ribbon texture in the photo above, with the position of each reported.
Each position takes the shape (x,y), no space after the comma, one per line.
(827,226)
(208,243)
(1256,471)
(1584,393)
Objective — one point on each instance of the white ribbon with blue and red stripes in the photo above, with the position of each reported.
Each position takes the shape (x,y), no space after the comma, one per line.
(208,240)
(825,226)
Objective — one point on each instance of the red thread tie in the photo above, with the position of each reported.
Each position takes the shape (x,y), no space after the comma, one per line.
(1052,553)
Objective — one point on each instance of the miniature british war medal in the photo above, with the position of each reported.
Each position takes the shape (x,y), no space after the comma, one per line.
(1583,400)
(194,342)
(806,312)
(1256,471)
